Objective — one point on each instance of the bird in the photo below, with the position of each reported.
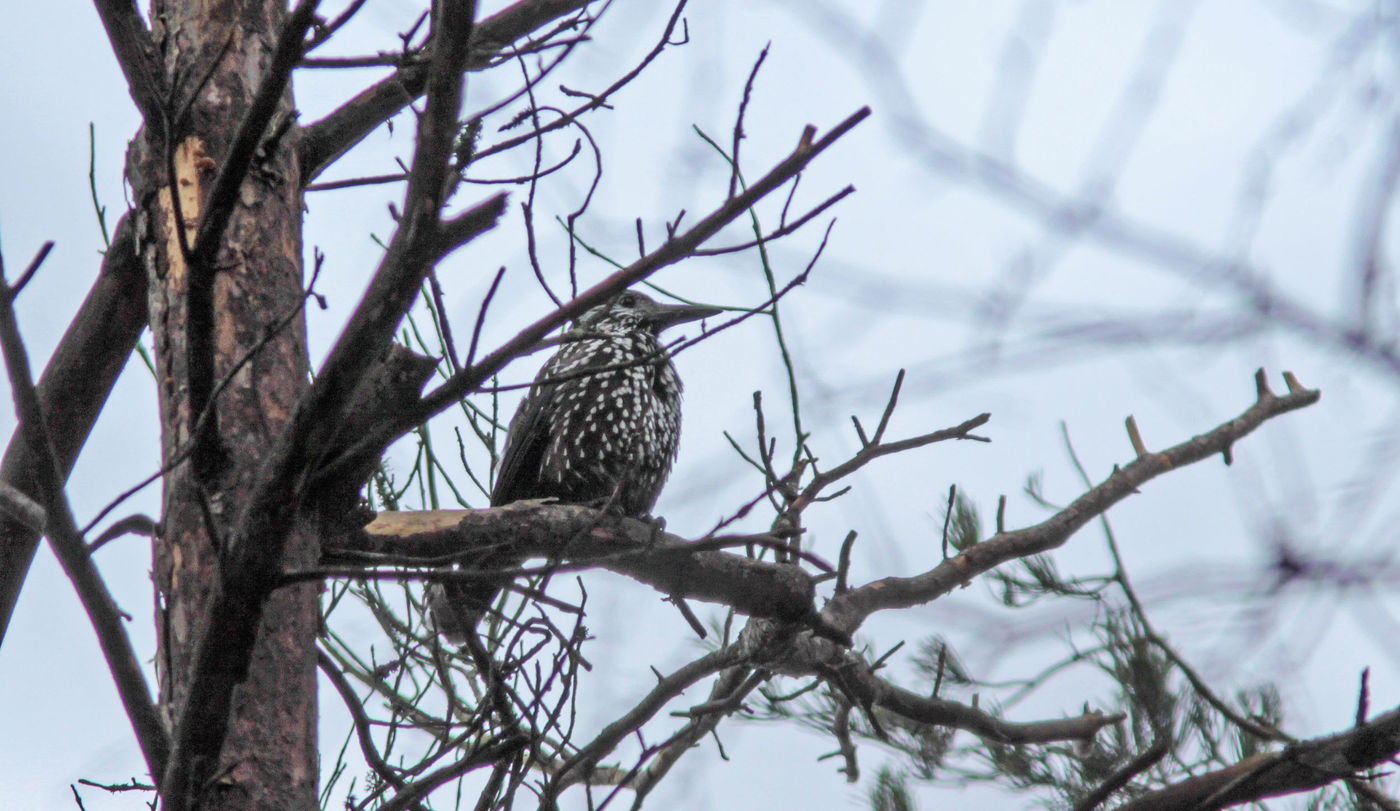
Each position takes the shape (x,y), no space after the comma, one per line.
(600,425)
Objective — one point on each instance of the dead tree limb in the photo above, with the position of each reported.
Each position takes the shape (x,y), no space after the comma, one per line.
(1303,766)
(575,537)
(849,609)
(72,391)
(72,553)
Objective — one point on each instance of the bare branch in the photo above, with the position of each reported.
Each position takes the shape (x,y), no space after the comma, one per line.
(72,391)
(846,670)
(485,755)
(1303,766)
(727,686)
(361,720)
(841,731)
(580,767)
(675,249)
(1154,754)
(782,230)
(327,139)
(463,228)
(22,508)
(70,550)
(849,610)
(670,564)
(595,101)
(874,449)
(33,268)
(136,53)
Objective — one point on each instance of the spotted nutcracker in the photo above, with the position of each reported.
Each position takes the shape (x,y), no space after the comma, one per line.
(600,425)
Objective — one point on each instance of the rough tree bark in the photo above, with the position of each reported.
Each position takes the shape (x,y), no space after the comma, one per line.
(229,337)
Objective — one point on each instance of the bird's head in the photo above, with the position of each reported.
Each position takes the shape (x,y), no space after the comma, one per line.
(630,311)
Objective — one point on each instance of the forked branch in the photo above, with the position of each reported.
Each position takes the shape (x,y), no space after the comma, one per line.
(1303,766)
(673,250)
(68,546)
(325,140)
(849,609)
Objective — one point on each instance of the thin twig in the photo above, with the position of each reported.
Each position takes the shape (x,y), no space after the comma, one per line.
(1161,745)
(849,610)
(32,269)
(360,719)
(674,250)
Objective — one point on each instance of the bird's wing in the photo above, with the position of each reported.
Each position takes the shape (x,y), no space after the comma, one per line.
(526,441)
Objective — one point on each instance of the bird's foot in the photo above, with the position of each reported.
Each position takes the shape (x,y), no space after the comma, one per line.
(658,528)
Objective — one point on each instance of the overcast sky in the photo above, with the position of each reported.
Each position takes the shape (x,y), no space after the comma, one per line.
(1236,130)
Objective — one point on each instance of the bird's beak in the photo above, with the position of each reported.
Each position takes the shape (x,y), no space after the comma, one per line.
(665,316)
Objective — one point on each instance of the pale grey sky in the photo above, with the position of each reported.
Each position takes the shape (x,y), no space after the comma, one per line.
(1174,103)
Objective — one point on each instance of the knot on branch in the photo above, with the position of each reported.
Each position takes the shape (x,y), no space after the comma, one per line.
(356,444)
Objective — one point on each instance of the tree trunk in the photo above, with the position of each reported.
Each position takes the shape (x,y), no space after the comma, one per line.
(227,332)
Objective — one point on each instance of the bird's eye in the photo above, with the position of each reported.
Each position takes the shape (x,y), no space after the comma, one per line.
(627,300)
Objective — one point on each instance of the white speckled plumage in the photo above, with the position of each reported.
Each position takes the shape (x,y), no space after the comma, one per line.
(603,417)
(601,424)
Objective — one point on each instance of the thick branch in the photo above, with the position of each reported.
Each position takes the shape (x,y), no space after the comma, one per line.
(394,382)
(1303,766)
(72,391)
(849,609)
(414,249)
(457,231)
(587,538)
(136,53)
